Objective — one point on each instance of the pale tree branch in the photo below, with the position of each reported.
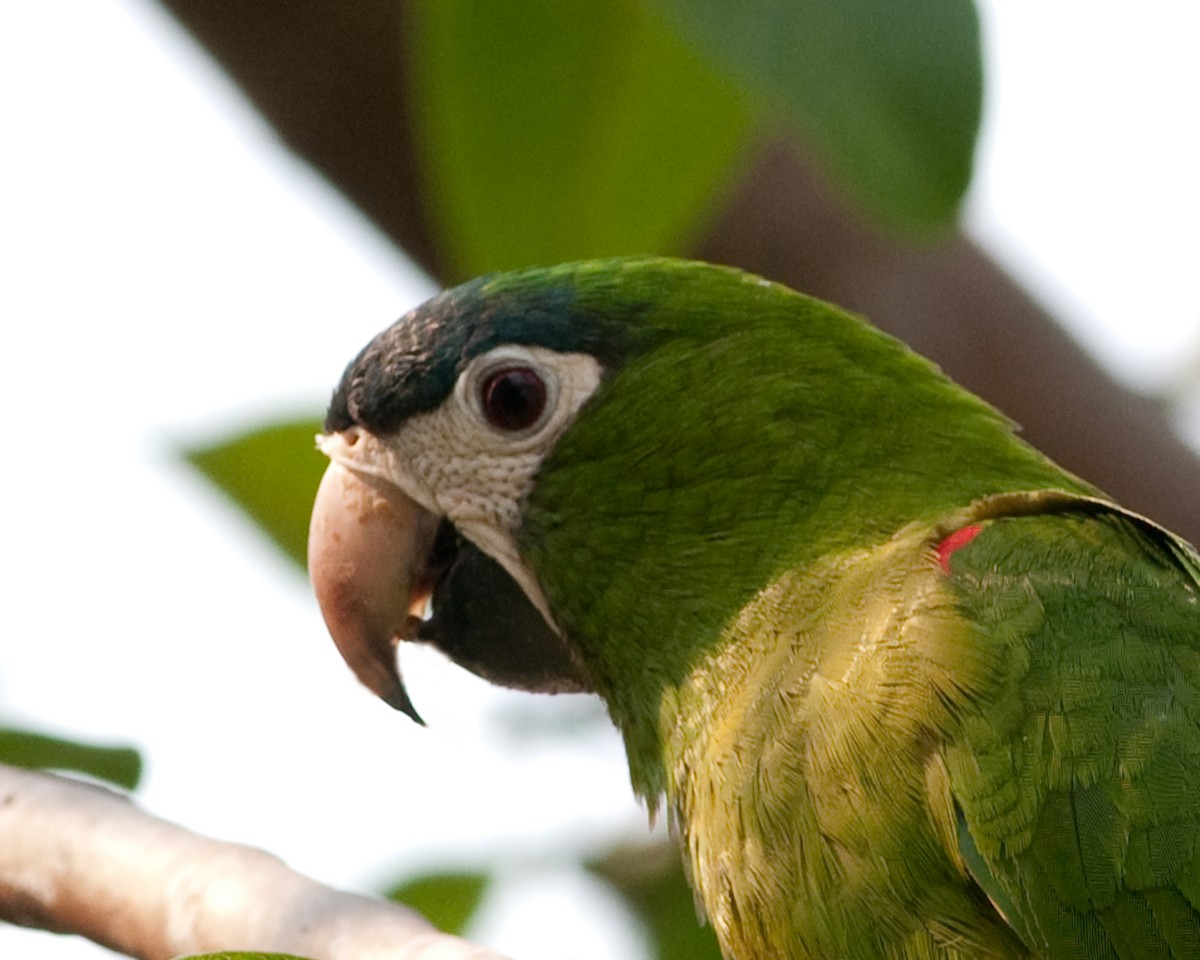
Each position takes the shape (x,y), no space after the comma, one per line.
(81,859)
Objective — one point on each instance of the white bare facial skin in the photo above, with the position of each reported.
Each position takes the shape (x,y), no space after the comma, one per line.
(456,464)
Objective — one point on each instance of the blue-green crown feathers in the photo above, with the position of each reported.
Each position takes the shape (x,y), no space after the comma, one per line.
(411,367)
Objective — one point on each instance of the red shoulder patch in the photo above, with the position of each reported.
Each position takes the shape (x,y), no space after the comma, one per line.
(956,541)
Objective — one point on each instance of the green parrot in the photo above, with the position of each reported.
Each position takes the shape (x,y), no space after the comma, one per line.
(909,690)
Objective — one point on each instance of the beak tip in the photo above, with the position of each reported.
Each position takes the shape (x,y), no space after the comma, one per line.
(397,698)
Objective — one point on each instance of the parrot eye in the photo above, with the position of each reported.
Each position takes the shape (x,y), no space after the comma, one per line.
(513,398)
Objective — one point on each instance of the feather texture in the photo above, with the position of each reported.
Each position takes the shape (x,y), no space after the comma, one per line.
(1079,775)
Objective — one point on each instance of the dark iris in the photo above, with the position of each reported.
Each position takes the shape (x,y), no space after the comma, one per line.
(513,398)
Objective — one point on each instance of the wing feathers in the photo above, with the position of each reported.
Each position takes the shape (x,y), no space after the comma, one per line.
(1079,777)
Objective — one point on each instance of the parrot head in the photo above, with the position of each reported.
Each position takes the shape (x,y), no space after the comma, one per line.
(585,471)
(467,381)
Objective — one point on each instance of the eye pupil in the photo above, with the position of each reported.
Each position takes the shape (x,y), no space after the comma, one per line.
(513,398)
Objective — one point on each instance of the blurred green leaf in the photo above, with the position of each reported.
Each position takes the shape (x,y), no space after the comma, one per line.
(34,751)
(888,93)
(447,900)
(272,473)
(556,131)
(650,879)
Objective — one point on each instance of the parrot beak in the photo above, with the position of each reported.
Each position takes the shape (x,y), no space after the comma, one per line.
(369,549)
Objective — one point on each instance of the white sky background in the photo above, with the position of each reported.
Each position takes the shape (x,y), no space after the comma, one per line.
(170,275)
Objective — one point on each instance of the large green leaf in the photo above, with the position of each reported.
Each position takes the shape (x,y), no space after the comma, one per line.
(554,131)
(447,900)
(272,473)
(887,93)
(35,751)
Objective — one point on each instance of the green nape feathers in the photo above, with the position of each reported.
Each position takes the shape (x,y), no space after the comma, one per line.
(910,690)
